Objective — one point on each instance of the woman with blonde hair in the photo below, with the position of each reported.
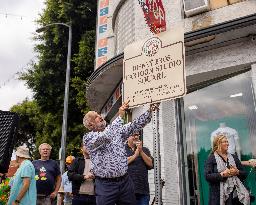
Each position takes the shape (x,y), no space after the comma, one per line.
(225,174)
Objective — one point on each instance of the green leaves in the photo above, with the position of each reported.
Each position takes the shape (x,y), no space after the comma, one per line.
(46,77)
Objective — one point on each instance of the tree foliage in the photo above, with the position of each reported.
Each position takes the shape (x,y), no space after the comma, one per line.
(35,127)
(47,76)
(28,115)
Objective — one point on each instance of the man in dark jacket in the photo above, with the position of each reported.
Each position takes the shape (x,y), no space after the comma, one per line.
(82,180)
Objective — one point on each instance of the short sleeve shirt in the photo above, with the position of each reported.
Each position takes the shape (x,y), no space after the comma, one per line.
(26,170)
(46,174)
(138,171)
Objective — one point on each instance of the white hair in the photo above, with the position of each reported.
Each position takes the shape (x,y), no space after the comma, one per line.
(40,146)
(89,116)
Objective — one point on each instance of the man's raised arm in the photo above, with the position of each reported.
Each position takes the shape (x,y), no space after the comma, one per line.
(139,123)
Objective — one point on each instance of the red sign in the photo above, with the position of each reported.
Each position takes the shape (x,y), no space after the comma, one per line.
(154,14)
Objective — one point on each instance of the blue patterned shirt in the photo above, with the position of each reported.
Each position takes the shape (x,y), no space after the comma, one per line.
(107,148)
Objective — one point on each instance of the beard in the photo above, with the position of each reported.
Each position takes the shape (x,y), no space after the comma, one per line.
(101,125)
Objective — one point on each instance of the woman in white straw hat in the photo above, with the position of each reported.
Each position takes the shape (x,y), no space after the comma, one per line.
(23,190)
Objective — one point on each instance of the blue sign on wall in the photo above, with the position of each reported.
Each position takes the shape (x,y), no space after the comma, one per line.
(103,28)
(102,51)
(104,11)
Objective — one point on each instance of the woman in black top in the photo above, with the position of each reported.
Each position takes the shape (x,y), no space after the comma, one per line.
(224,174)
(79,177)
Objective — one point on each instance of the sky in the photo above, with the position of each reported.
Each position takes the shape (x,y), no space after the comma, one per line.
(16,47)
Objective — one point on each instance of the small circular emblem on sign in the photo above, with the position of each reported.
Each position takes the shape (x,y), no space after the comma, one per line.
(151,46)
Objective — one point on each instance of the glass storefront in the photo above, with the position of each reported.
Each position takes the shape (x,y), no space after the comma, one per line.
(227,106)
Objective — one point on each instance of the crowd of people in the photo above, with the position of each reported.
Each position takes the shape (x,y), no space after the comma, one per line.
(113,169)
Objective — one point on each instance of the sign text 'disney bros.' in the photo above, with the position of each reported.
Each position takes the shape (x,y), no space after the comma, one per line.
(154,69)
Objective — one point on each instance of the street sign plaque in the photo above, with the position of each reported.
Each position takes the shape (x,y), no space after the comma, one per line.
(154,69)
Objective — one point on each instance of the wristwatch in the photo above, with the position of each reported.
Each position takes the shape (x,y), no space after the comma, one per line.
(17,201)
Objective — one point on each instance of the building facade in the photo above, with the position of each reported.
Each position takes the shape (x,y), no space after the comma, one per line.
(220,45)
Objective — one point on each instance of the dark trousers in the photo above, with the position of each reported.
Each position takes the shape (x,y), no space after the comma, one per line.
(83,199)
(233,201)
(115,192)
(142,199)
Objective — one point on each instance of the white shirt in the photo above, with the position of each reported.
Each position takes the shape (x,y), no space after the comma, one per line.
(67,186)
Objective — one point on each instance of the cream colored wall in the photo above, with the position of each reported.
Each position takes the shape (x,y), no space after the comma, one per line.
(242,53)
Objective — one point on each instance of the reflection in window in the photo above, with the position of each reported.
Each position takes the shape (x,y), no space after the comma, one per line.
(226,107)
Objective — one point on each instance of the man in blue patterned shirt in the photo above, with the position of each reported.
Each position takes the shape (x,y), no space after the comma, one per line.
(106,146)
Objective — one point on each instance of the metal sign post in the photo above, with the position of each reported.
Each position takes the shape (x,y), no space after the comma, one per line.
(154,71)
(157,158)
